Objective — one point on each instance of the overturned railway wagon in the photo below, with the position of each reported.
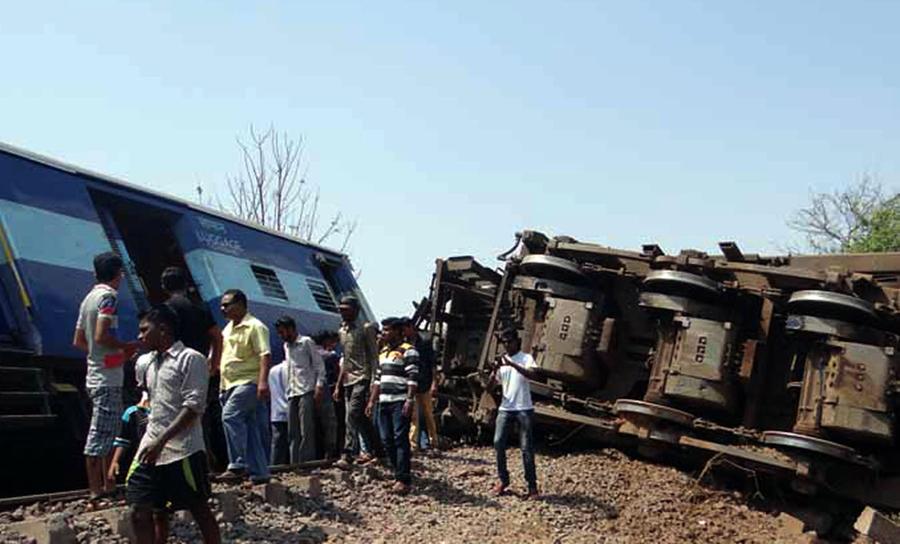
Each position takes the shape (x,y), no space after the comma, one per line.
(54,218)
(784,365)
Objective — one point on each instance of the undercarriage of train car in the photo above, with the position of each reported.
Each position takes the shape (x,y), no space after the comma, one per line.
(784,365)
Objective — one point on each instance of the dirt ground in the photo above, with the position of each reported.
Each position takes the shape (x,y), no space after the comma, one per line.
(596,496)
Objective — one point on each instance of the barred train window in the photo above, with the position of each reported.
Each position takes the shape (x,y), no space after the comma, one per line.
(268,282)
(322,294)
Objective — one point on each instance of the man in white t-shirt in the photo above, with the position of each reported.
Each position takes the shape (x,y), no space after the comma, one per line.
(278,414)
(513,372)
(95,334)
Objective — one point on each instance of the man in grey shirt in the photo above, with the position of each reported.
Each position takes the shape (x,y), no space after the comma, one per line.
(360,347)
(95,334)
(305,389)
(171,470)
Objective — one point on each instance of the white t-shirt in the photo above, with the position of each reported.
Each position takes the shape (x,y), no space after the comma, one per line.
(278,378)
(104,365)
(516,389)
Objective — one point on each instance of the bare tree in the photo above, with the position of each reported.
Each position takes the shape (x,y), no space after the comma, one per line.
(839,220)
(272,190)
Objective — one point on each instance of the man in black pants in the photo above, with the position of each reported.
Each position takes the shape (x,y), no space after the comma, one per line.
(172,471)
(198,330)
(360,346)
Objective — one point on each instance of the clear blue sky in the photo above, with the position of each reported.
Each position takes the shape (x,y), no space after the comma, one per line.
(444,127)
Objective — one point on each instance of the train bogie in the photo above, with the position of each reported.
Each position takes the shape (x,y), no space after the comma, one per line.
(783,364)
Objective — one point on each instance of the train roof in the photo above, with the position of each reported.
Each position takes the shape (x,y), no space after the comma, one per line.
(77,170)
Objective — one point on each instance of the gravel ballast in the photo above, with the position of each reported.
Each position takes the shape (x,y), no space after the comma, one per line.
(596,496)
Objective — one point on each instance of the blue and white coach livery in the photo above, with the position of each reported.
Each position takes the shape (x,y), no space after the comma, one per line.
(55,217)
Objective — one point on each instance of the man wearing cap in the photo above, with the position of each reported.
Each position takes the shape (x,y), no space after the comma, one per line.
(513,371)
(394,389)
(360,359)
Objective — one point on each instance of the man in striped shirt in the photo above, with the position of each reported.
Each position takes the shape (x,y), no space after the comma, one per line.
(394,388)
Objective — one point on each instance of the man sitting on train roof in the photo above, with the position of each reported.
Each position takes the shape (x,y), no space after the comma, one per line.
(245,389)
(95,334)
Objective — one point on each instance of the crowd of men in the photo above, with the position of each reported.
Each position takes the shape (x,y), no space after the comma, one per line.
(356,394)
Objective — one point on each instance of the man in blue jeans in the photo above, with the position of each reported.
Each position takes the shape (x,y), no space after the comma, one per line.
(394,388)
(513,372)
(245,390)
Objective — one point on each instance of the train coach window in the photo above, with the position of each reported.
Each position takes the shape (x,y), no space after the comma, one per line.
(269,283)
(322,294)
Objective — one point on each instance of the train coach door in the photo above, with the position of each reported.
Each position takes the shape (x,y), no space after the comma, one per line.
(15,302)
(132,279)
(143,235)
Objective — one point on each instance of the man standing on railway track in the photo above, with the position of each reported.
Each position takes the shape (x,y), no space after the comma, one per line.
(305,390)
(245,389)
(424,410)
(394,389)
(329,414)
(280,449)
(513,372)
(134,424)
(171,471)
(360,344)
(199,331)
(106,354)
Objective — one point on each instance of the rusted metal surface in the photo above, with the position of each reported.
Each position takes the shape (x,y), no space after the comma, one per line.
(744,344)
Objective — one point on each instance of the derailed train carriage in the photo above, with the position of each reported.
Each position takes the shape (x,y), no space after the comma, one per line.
(785,365)
(54,217)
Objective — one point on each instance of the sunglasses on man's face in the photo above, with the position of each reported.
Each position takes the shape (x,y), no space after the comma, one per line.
(227,304)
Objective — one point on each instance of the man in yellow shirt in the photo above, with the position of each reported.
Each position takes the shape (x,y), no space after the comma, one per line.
(245,389)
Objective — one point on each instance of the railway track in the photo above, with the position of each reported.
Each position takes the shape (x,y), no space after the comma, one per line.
(7,503)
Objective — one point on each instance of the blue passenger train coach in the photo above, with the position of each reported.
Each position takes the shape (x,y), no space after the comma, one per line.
(54,218)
